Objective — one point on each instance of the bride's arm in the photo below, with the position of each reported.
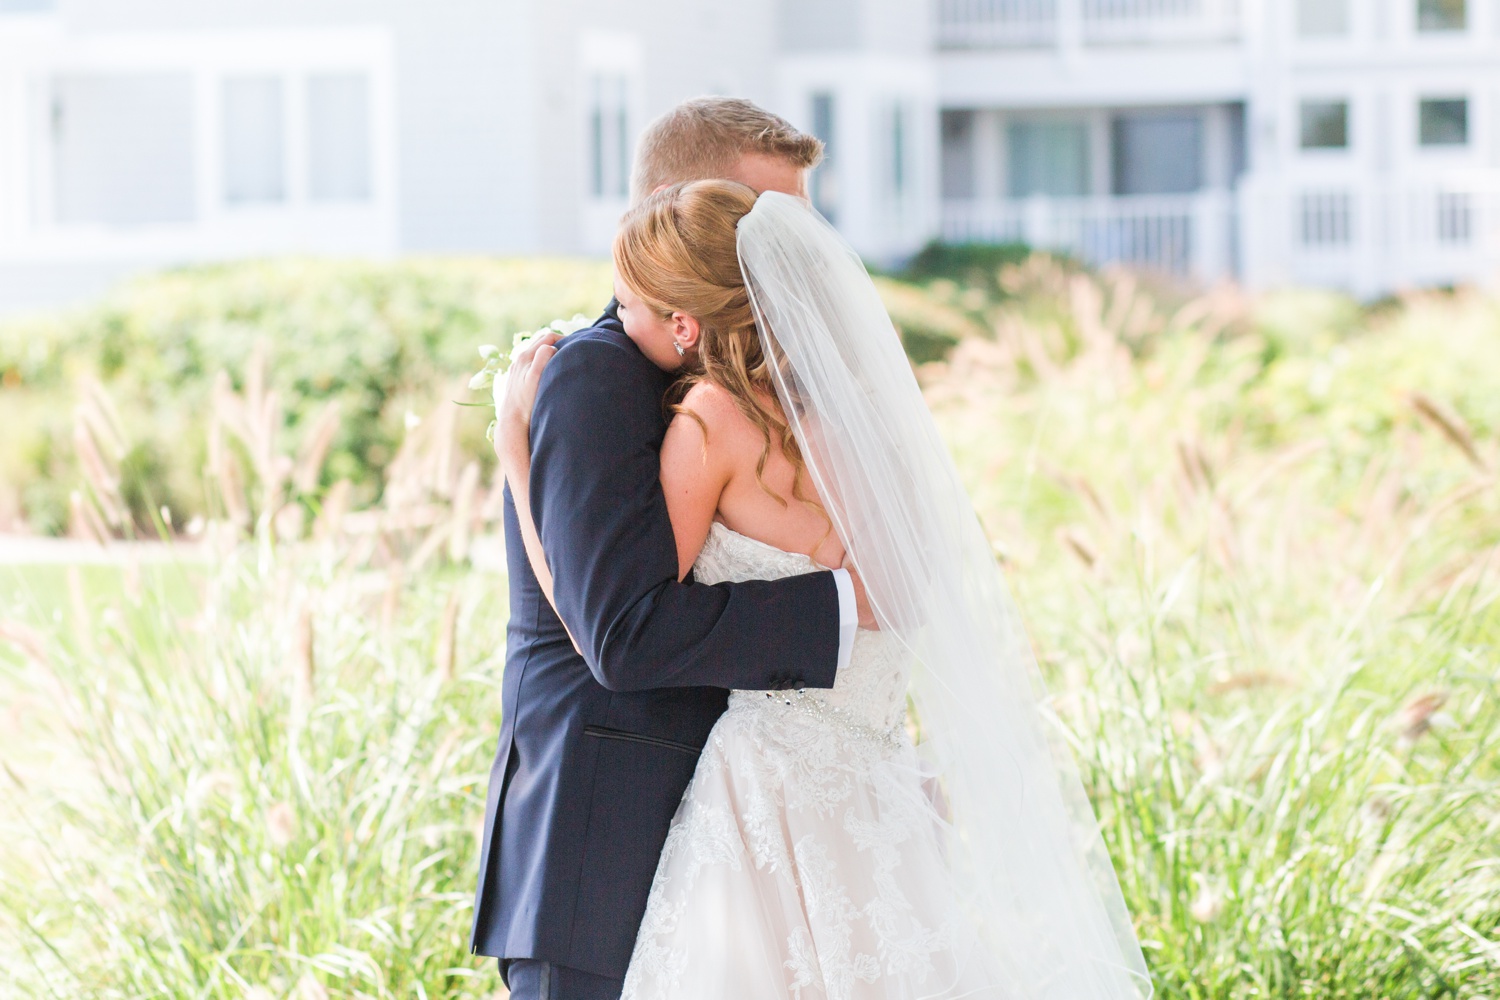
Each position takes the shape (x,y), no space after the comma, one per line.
(513,448)
(693,476)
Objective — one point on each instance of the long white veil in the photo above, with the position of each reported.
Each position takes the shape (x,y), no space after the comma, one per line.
(1031,869)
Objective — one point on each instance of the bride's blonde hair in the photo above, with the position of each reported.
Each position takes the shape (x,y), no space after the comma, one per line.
(676,250)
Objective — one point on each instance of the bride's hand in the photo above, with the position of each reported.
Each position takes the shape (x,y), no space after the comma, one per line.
(520,393)
(861,598)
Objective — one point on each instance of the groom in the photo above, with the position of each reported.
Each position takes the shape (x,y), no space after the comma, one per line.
(596,747)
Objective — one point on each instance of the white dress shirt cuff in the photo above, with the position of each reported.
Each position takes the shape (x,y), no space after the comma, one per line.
(848,615)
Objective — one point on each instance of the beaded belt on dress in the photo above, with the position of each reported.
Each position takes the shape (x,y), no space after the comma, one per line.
(816,708)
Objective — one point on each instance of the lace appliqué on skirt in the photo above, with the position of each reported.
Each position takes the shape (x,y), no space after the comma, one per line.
(806,860)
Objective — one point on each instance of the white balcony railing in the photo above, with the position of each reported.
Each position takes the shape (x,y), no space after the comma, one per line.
(996,23)
(206,223)
(1182,235)
(1366,238)
(1040,23)
(1371,236)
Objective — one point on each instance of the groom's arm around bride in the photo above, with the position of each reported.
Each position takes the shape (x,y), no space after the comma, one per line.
(602,520)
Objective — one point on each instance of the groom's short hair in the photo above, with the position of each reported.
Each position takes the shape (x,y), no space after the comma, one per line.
(705,137)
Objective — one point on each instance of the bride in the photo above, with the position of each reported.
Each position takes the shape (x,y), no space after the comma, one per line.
(819,853)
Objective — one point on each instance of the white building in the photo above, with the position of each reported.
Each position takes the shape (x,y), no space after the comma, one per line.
(1353,143)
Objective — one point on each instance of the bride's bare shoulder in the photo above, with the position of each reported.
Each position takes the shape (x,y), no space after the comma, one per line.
(722,421)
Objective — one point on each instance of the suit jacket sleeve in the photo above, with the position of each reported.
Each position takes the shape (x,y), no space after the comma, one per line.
(602,518)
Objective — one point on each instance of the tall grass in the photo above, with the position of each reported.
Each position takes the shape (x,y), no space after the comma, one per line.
(1257,542)
(1263,566)
(272,787)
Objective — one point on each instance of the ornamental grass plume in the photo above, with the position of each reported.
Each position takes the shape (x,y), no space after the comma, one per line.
(315,447)
(27,640)
(1274,657)
(1450,425)
(281,824)
(196,835)
(304,664)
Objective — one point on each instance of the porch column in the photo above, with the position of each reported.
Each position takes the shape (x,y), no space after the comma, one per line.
(989,156)
(13,154)
(1211,236)
(208,132)
(1069,30)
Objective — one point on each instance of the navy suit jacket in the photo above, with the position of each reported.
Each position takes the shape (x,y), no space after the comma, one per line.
(596,750)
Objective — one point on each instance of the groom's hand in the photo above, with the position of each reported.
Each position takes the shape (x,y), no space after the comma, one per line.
(861,598)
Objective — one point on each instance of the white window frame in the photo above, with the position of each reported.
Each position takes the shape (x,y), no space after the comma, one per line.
(218,230)
(610,56)
(288,177)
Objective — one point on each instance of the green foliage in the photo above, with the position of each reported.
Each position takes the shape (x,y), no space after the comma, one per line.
(976,265)
(380,340)
(274,799)
(1257,543)
(930,325)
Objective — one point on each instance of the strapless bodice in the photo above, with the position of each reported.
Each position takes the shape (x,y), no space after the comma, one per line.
(869,693)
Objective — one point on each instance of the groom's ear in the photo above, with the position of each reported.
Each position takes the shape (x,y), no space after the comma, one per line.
(685,330)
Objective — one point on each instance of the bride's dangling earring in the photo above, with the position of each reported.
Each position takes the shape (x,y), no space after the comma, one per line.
(680,352)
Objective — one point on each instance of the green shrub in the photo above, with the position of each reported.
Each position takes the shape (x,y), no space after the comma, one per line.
(976,265)
(380,340)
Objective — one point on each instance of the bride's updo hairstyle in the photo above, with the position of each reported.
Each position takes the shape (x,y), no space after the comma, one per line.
(676,250)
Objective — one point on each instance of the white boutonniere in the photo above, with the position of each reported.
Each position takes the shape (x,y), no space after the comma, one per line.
(497,363)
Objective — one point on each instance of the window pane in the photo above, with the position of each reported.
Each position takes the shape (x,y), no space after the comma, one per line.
(1048,158)
(123,149)
(1445,122)
(1442,15)
(958,154)
(622,138)
(253,140)
(596,139)
(898,150)
(1325,124)
(1158,154)
(825,177)
(338,141)
(1322,18)
(608,136)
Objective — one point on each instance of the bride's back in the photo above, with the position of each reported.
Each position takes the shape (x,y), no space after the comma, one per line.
(712,431)
(729,454)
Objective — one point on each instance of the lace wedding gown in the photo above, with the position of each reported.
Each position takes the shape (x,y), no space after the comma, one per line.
(806,859)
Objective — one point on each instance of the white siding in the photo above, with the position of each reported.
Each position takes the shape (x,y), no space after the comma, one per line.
(122,149)
(502,126)
(254,127)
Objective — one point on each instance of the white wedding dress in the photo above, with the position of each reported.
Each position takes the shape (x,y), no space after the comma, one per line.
(806,860)
(813,857)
